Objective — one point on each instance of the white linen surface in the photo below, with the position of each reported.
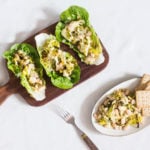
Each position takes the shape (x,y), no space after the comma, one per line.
(124,28)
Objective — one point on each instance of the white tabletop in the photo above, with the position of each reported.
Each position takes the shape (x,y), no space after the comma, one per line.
(124,28)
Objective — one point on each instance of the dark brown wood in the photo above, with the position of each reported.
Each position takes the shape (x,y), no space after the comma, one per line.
(52,92)
(4,92)
(12,86)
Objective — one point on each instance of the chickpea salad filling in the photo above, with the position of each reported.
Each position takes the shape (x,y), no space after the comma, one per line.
(60,66)
(23,61)
(75,30)
(80,35)
(59,61)
(28,68)
(119,111)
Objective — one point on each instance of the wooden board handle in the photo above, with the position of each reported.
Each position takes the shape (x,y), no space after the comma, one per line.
(5,92)
(7,89)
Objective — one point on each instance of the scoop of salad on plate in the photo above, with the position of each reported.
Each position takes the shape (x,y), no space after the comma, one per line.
(119,111)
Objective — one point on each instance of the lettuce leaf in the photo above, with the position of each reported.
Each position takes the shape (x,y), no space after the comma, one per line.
(75,13)
(29,50)
(63,82)
(22,72)
(49,61)
(71,14)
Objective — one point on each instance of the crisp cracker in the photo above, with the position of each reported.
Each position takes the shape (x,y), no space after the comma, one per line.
(143,99)
(145,79)
(146,111)
(147,87)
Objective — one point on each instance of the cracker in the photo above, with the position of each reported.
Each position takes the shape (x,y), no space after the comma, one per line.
(147,87)
(146,111)
(144,80)
(143,98)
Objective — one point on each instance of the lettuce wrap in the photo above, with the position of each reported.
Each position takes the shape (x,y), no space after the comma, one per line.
(75,30)
(23,61)
(59,65)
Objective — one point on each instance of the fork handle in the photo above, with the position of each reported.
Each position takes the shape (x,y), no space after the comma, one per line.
(89,142)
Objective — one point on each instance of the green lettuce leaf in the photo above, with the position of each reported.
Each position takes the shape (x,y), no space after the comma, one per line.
(29,50)
(49,62)
(22,71)
(71,14)
(63,82)
(75,13)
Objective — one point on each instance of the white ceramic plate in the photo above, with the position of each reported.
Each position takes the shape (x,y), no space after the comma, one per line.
(129,84)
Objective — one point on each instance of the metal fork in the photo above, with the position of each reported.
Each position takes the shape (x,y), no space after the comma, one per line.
(70,119)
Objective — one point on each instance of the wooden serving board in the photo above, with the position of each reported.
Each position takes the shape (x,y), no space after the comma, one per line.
(87,71)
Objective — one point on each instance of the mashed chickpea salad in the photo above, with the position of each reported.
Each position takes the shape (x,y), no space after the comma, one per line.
(119,111)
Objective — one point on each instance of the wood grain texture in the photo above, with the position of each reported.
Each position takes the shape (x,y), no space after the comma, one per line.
(87,71)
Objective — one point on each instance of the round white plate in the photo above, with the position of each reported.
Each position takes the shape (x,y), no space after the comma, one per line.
(129,84)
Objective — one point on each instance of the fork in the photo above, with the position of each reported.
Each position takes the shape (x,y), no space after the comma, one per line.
(70,119)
